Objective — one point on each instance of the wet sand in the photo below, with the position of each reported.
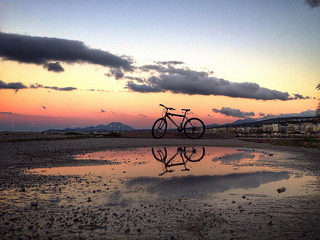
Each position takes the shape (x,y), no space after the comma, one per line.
(42,207)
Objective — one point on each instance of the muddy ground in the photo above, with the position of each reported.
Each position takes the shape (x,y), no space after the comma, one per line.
(36,206)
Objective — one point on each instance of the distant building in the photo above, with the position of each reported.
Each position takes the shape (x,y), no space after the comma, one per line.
(296,128)
(270,128)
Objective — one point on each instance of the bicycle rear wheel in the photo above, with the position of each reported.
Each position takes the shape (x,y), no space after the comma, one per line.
(159,153)
(194,128)
(159,128)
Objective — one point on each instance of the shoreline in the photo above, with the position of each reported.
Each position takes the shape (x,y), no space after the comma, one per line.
(40,206)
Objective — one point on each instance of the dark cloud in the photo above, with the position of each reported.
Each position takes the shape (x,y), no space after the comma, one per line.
(313,3)
(93,90)
(299,96)
(169,63)
(186,81)
(233,112)
(14,85)
(143,88)
(53,67)
(137,79)
(117,73)
(161,66)
(18,85)
(36,85)
(152,67)
(42,50)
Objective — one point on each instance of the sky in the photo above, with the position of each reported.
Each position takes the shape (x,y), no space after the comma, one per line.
(83,63)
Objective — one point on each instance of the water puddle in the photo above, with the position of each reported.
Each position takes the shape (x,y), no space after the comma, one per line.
(208,173)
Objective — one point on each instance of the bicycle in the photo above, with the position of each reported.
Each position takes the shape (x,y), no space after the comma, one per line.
(193,127)
(161,156)
(192,154)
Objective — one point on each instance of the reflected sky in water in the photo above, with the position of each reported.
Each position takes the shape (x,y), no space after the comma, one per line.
(191,172)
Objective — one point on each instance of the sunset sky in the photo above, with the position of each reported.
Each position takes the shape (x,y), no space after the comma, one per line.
(82,63)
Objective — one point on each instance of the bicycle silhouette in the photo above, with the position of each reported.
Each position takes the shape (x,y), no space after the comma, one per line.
(193,127)
(192,154)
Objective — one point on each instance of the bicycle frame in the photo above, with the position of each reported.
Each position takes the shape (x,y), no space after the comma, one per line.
(169,163)
(183,116)
(176,115)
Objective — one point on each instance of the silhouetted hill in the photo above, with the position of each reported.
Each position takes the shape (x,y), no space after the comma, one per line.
(251,122)
(111,127)
(245,121)
(213,125)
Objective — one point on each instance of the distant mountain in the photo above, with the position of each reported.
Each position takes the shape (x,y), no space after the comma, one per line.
(306,116)
(262,121)
(213,125)
(235,123)
(246,120)
(111,127)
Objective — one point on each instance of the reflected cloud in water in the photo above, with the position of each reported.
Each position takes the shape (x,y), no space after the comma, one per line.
(202,185)
(240,155)
(235,157)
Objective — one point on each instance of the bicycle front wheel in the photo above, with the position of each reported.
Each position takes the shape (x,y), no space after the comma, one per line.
(194,128)
(159,128)
(194,154)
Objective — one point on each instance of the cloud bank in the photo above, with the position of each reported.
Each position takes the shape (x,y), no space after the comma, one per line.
(14,85)
(44,50)
(18,85)
(237,113)
(161,76)
(36,85)
(231,112)
(307,113)
(166,77)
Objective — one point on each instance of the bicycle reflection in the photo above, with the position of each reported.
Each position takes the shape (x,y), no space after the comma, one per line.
(186,154)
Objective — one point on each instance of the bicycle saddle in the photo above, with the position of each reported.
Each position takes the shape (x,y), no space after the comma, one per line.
(185,109)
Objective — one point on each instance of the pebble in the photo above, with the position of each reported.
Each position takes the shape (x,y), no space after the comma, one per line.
(281,190)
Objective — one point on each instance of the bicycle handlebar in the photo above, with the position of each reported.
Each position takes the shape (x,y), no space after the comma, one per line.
(168,108)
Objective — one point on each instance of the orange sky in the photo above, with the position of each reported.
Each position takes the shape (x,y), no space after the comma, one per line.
(122,72)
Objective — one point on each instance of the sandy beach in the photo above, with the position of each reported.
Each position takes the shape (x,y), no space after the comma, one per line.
(40,206)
